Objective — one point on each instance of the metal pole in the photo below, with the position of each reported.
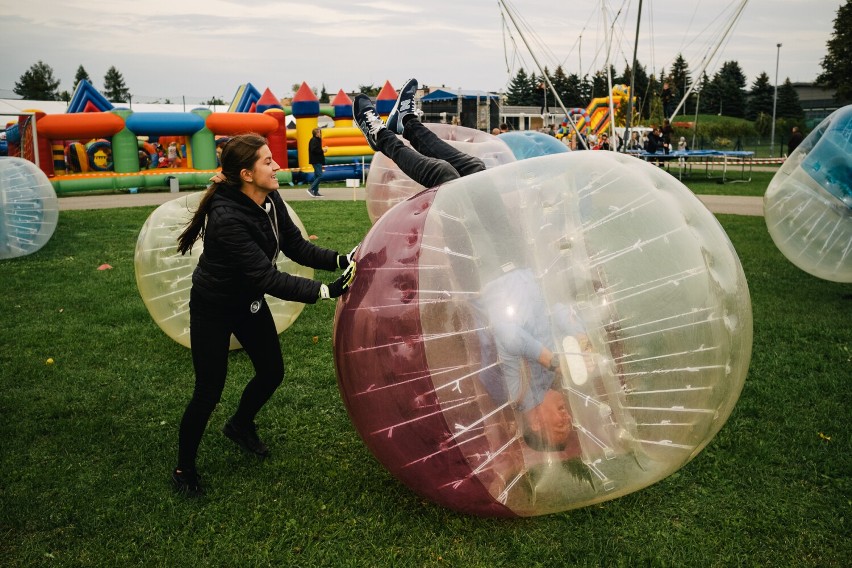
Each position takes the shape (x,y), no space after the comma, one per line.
(632,92)
(35,140)
(774,102)
(609,75)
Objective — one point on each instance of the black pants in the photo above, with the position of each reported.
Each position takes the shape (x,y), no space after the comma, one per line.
(210,329)
(432,161)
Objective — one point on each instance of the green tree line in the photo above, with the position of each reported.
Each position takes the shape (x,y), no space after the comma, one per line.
(38,84)
(726,94)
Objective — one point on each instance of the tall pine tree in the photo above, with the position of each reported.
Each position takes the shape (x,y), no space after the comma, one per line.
(680,82)
(729,90)
(518,92)
(760,97)
(789,105)
(640,85)
(114,88)
(706,102)
(837,64)
(81,75)
(37,83)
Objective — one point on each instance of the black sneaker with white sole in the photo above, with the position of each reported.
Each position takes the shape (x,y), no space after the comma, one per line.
(403,106)
(367,119)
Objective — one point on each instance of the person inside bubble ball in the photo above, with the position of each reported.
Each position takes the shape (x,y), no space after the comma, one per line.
(529,375)
(244,224)
(522,344)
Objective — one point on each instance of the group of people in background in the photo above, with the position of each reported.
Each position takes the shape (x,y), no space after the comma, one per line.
(168,157)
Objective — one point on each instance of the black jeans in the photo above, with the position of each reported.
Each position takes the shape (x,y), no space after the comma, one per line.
(432,161)
(210,331)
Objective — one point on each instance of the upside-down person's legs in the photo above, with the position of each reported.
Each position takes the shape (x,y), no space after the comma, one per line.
(427,143)
(425,170)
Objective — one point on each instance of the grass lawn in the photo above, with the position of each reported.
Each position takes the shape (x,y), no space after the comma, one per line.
(88,442)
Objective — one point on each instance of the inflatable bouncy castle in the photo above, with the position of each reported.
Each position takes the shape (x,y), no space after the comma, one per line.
(94,145)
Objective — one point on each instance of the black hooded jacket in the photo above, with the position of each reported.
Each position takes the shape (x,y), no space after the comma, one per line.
(239,246)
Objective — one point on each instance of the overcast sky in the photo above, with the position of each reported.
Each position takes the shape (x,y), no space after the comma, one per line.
(205,48)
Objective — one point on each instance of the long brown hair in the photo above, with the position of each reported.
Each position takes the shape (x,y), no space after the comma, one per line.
(238,154)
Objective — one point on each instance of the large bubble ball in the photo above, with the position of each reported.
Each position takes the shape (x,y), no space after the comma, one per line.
(544,335)
(527,144)
(387,185)
(29,208)
(808,204)
(164,276)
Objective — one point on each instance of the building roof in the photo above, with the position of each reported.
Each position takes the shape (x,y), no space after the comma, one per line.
(14,106)
(455,94)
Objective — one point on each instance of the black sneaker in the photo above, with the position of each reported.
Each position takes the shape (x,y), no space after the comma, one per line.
(403,106)
(188,483)
(246,438)
(367,120)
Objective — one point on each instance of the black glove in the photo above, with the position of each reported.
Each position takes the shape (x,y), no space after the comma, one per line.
(339,286)
(343,260)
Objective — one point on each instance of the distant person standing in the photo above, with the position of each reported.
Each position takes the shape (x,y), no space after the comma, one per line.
(666,133)
(682,148)
(582,140)
(172,155)
(543,99)
(667,98)
(634,144)
(655,140)
(796,138)
(316,156)
(603,143)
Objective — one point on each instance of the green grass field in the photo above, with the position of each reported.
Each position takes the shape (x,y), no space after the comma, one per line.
(88,442)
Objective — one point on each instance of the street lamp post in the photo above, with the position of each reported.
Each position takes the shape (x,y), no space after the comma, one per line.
(774,102)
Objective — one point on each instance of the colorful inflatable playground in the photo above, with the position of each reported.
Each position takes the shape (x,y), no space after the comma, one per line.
(596,117)
(95,146)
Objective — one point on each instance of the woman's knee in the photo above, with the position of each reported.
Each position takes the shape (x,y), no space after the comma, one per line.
(271,371)
(205,399)
(275,376)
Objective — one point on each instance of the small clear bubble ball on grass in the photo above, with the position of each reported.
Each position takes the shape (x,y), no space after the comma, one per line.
(164,276)
(808,204)
(29,208)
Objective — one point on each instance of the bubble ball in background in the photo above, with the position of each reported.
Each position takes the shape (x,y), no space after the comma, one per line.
(164,276)
(386,184)
(29,208)
(608,261)
(532,144)
(808,204)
